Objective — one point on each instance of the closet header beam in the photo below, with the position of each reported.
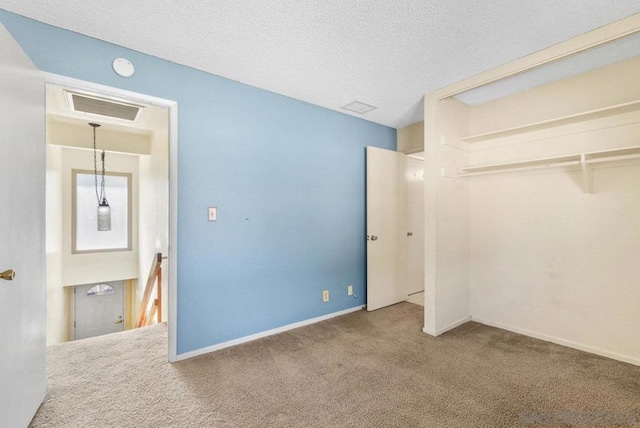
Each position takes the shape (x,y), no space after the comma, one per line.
(592,39)
(558,121)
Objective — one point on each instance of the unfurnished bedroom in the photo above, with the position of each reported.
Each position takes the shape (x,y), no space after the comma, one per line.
(320,214)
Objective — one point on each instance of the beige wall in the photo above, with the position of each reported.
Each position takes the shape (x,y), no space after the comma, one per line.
(105,266)
(546,258)
(154,214)
(554,261)
(64,269)
(58,309)
(446,218)
(410,139)
(125,140)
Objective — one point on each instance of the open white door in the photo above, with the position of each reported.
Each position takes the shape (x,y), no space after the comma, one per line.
(23,381)
(386,230)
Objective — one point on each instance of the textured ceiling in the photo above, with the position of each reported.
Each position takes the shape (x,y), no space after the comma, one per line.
(387,53)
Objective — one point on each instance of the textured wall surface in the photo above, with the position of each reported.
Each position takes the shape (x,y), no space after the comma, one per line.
(388,53)
(287,178)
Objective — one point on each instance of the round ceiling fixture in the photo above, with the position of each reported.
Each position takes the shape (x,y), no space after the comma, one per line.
(123,67)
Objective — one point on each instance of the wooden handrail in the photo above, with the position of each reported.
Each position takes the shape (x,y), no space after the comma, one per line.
(146,314)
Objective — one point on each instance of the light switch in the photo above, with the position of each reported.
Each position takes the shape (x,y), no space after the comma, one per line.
(213,213)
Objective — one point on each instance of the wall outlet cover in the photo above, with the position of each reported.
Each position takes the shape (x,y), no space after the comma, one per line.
(325,296)
(213,213)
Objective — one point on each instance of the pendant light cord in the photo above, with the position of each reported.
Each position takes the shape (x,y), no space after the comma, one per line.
(102,192)
(101,197)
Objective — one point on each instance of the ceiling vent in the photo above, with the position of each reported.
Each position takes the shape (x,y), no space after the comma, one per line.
(88,104)
(359,107)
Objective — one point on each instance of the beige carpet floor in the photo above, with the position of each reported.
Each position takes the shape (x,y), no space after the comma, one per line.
(365,369)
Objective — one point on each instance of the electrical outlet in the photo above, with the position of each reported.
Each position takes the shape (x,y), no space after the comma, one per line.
(325,296)
(350,290)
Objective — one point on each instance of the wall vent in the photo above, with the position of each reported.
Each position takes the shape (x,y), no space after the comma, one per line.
(88,104)
(359,107)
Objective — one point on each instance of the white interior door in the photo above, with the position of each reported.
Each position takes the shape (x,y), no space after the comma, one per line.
(22,213)
(386,228)
(98,309)
(415,225)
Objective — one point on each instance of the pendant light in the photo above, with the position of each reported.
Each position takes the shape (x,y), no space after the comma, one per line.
(104,210)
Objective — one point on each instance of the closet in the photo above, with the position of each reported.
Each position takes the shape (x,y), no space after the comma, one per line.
(533,204)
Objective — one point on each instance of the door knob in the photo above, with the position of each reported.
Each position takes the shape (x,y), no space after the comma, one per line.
(374,238)
(409,233)
(8,275)
(119,320)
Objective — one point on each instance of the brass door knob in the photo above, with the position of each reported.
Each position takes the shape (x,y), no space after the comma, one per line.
(8,275)
(119,320)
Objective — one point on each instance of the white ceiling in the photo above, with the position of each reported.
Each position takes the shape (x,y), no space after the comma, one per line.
(387,53)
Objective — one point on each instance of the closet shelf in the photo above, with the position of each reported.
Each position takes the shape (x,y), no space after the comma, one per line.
(550,123)
(578,159)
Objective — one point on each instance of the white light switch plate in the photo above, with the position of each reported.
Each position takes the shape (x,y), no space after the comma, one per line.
(213,213)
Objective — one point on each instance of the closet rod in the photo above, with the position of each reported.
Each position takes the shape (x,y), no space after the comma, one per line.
(526,168)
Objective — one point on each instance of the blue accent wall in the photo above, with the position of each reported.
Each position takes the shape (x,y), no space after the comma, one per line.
(288,179)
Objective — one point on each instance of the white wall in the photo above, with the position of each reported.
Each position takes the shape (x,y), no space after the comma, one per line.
(410,139)
(154,213)
(58,322)
(67,132)
(105,266)
(64,269)
(446,218)
(547,259)
(530,251)
(553,261)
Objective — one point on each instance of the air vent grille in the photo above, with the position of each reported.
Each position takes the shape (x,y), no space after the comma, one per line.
(102,107)
(359,107)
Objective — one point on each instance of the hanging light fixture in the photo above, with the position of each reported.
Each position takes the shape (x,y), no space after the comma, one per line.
(104,210)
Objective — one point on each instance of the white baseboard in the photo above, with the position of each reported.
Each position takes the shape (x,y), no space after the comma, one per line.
(558,341)
(447,328)
(262,334)
(429,331)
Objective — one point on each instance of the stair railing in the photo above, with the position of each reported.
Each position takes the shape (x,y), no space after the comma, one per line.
(146,314)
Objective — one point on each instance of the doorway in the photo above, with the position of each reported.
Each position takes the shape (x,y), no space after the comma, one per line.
(414,174)
(98,309)
(88,281)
